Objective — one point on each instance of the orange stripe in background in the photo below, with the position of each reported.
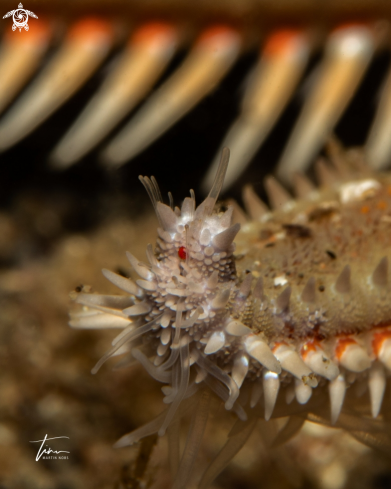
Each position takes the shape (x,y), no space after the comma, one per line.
(91,29)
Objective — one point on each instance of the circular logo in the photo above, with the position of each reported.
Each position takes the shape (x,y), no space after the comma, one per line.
(20,19)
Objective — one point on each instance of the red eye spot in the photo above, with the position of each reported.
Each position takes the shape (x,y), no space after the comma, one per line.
(182,253)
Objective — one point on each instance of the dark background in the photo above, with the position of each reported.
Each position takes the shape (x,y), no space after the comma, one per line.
(178,159)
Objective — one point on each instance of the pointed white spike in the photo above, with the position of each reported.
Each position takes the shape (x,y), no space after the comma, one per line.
(221,299)
(326,175)
(302,185)
(336,153)
(260,350)
(165,336)
(206,207)
(86,45)
(226,218)
(319,363)
(153,261)
(201,376)
(166,318)
(147,54)
(243,138)
(255,207)
(337,390)
(237,328)
(215,343)
(271,386)
(123,283)
(212,56)
(277,194)
(348,52)
(189,323)
(138,309)
(354,357)
(20,57)
(188,208)
(167,217)
(140,269)
(240,369)
(238,215)
(292,363)
(153,191)
(224,239)
(147,285)
(303,392)
(99,321)
(377,386)
(283,58)
(114,303)
(218,181)
(213,280)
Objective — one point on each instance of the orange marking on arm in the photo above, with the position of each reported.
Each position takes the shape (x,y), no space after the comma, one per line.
(364,209)
(309,346)
(342,344)
(377,340)
(278,344)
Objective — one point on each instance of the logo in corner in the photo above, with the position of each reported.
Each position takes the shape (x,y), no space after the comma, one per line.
(47,452)
(20,17)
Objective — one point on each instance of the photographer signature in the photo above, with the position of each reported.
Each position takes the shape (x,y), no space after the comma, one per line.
(48,450)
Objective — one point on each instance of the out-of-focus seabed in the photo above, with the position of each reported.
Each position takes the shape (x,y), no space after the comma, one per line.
(46,386)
